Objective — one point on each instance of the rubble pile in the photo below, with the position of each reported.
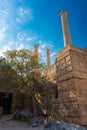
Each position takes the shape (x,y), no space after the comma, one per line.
(45,122)
(23,115)
(37,121)
(56,125)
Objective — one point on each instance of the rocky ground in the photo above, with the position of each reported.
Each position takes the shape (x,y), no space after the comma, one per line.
(17,122)
(6,123)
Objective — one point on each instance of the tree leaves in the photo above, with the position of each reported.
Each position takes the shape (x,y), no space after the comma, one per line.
(23,72)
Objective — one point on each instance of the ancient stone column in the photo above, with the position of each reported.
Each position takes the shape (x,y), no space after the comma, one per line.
(65,28)
(36,52)
(48,56)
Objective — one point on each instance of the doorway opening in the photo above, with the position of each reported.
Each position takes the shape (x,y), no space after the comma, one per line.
(5,102)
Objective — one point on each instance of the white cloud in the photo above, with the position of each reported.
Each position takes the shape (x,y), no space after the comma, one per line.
(10,14)
(11,45)
(16,45)
(40,42)
(50,45)
(45,44)
(21,46)
(4,49)
(24,15)
(30,38)
(2,33)
(52,54)
(25,37)
(20,36)
(42,49)
(5,12)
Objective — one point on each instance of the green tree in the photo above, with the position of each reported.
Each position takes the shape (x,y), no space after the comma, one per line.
(23,62)
(6,75)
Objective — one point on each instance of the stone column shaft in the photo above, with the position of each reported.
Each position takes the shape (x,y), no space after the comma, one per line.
(36,52)
(65,28)
(48,56)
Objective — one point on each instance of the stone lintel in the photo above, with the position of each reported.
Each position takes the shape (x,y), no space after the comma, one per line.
(63,13)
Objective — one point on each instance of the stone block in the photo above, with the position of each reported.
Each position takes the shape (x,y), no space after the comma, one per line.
(68,106)
(83,114)
(68,58)
(69,68)
(70,74)
(64,71)
(77,74)
(83,98)
(83,75)
(75,57)
(81,64)
(68,63)
(64,65)
(62,61)
(83,121)
(82,92)
(57,64)
(72,93)
(86,58)
(67,99)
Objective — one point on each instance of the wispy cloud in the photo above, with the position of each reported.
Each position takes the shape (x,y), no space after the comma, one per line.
(30,38)
(4,49)
(26,38)
(21,46)
(3,32)
(52,54)
(45,44)
(10,45)
(42,49)
(14,32)
(20,36)
(24,15)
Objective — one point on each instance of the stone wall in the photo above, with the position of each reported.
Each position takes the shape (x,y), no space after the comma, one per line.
(64,93)
(49,73)
(71,71)
(49,80)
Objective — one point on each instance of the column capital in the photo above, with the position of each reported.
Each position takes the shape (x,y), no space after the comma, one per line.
(36,45)
(63,13)
(47,49)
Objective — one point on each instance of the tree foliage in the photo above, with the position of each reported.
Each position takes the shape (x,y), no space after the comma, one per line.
(26,76)
(24,63)
(6,75)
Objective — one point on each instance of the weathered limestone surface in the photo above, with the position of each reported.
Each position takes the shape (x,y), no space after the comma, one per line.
(50,73)
(64,96)
(70,75)
(48,56)
(71,71)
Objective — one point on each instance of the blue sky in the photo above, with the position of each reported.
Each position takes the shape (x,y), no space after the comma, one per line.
(26,22)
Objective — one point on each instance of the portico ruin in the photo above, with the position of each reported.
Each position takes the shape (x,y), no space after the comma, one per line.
(64,96)
(71,80)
